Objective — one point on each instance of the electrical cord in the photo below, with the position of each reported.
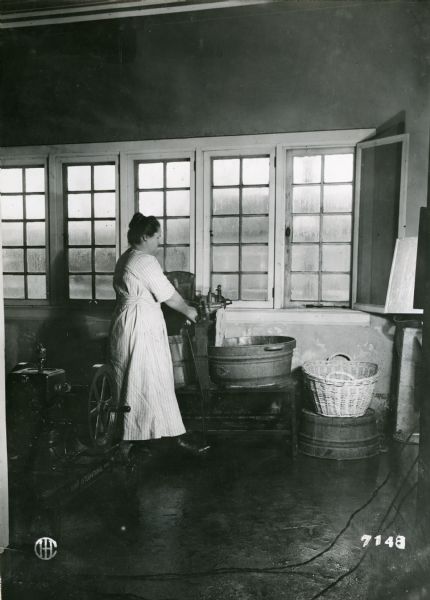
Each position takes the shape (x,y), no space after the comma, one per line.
(381,524)
(280,570)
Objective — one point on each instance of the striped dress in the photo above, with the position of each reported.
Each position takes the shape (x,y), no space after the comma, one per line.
(139,349)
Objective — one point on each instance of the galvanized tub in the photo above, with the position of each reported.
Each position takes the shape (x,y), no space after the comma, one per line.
(250,362)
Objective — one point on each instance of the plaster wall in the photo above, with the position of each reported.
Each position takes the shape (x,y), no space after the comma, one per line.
(372,342)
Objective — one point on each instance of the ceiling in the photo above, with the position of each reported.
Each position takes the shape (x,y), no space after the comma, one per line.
(26,13)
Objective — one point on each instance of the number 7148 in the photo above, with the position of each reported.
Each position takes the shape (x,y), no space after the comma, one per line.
(392,542)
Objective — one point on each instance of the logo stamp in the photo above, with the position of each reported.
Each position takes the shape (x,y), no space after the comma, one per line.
(45,548)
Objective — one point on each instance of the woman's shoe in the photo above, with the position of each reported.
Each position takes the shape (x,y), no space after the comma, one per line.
(191,447)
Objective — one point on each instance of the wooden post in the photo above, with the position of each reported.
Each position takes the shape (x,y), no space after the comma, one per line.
(4,495)
(422,298)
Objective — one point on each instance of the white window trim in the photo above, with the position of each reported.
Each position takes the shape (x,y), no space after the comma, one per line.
(28,160)
(205,276)
(129,208)
(57,217)
(124,154)
(308,151)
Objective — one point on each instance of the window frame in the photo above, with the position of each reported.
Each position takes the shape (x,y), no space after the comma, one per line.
(32,160)
(125,153)
(246,152)
(130,189)
(308,151)
(401,228)
(60,288)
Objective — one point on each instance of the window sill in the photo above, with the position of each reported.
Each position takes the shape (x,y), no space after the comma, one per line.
(35,312)
(306,316)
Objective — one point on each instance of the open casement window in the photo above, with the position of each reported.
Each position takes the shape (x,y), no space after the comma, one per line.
(90,194)
(23,192)
(164,188)
(380,217)
(239,225)
(319,226)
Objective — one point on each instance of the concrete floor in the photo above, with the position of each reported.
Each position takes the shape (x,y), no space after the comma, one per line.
(230,527)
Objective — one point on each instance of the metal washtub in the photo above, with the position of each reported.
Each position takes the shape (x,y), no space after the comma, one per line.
(249,362)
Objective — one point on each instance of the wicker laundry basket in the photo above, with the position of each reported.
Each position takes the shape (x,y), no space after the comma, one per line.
(340,386)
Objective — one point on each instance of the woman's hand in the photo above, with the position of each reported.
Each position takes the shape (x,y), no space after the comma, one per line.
(192,314)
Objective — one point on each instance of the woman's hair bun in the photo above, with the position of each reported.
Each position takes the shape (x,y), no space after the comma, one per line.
(140,226)
(137,219)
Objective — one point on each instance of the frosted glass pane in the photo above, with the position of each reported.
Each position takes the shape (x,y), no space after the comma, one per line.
(79,233)
(35,206)
(306,229)
(79,206)
(304,286)
(255,171)
(254,287)
(105,259)
(36,234)
(104,177)
(335,288)
(80,287)
(151,203)
(255,229)
(12,234)
(11,207)
(178,203)
(305,257)
(178,174)
(36,260)
(307,169)
(229,285)
(10,181)
(225,230)
(104,232)
(336,228)
(226,171)
(150,175)
(225,258)
(255,200)
(79,178)
(338,167)
(13,260)
(177,231)
(34,180)
(104,287)
(226,201)
(178,259)
(79,260)
(336,257)
(306,199)
(36,287)
(104,205)
(159,255)
(254,258)
(13,286)
(337,198)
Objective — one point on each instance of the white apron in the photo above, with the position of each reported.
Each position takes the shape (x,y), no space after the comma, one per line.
(139,349)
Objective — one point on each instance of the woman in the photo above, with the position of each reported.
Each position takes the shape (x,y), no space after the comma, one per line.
(139,347)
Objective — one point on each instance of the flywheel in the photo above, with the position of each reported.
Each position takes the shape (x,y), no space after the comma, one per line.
(104,411)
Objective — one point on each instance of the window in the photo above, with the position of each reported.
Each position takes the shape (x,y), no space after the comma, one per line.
(163,190)
(24,232)
(266,217)
(240,226)
(321,191)
(90,230)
